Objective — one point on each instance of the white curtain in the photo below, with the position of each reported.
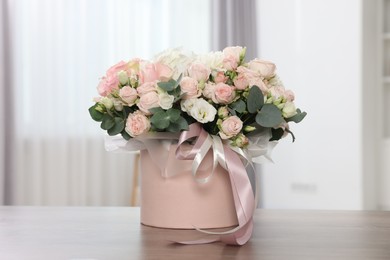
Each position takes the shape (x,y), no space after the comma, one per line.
(59,50)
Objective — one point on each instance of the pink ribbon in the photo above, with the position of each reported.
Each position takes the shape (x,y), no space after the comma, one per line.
(243,196)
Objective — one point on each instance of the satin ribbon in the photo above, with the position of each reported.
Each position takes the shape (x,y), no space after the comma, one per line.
(243,195)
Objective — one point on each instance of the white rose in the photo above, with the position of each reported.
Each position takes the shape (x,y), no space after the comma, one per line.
(176,58)
(202,111)
(289,110)
(165,100)
(214,60)
(107,102)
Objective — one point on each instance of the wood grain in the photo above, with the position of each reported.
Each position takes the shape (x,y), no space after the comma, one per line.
(115,233)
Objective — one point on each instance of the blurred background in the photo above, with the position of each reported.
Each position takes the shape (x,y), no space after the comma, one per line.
(334,54)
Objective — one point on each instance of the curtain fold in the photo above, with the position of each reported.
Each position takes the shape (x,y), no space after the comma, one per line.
(6,111)
(234,23)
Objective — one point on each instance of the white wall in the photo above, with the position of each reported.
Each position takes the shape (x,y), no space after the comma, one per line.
(316,47)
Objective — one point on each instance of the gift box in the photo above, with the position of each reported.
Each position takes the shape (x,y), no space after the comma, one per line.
(177,200)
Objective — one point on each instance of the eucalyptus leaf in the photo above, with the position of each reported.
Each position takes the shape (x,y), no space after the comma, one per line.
(238,106)
(96,115)
(255,99)
(269,116)
(107,122)
(277,134)
(125,135)
(118,127)
(298,117)
(168,85)
(180,124)
(173,114)
(160,120)
(154,110)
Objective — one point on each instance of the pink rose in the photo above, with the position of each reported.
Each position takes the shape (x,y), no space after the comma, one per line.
(253,78)
(266,69)
(112,72)
(148,101)
(128,94)
(199,71)
(189,86)
(137,124)
(146,88)
(208,91)
(220,77)
(223,94)
(151,72)
(240,82)
(231,57)
(107,85)
(230,127)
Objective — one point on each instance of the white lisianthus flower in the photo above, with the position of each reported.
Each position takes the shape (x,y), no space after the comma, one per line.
(165,100)
(187,104)
(289,110)
(202,111)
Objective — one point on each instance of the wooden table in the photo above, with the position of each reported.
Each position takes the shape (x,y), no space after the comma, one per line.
(115,233)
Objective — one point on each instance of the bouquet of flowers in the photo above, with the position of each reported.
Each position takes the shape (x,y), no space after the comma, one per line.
(216,101)
(228,96)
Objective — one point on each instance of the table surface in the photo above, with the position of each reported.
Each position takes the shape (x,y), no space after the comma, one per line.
(115,233)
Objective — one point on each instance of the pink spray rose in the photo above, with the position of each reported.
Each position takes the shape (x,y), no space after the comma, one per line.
(230,127)
(146,88)
(137,124)
(289,95)
(208,91)
(189,86)
(148,101)
(231,57)
(240,82)
(223,94)
(220,77)
(128,94)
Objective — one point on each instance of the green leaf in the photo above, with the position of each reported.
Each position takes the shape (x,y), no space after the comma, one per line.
(96,115)
(118,127)
(269,116)
(168,85)
(238,106)
(255,99)
(180,124)
(107,122)
(160,120)
(154,110)
(175,92)
(298,117)
(125,135)
(276,134)
(173,114)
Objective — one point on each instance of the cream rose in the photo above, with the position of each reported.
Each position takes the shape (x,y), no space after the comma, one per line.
(165,100)
(289,110)
(266,69)
(147,101)
(128,94)
(137,124)
(230,127)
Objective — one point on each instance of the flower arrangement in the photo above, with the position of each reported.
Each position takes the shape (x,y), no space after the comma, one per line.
(228,96)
